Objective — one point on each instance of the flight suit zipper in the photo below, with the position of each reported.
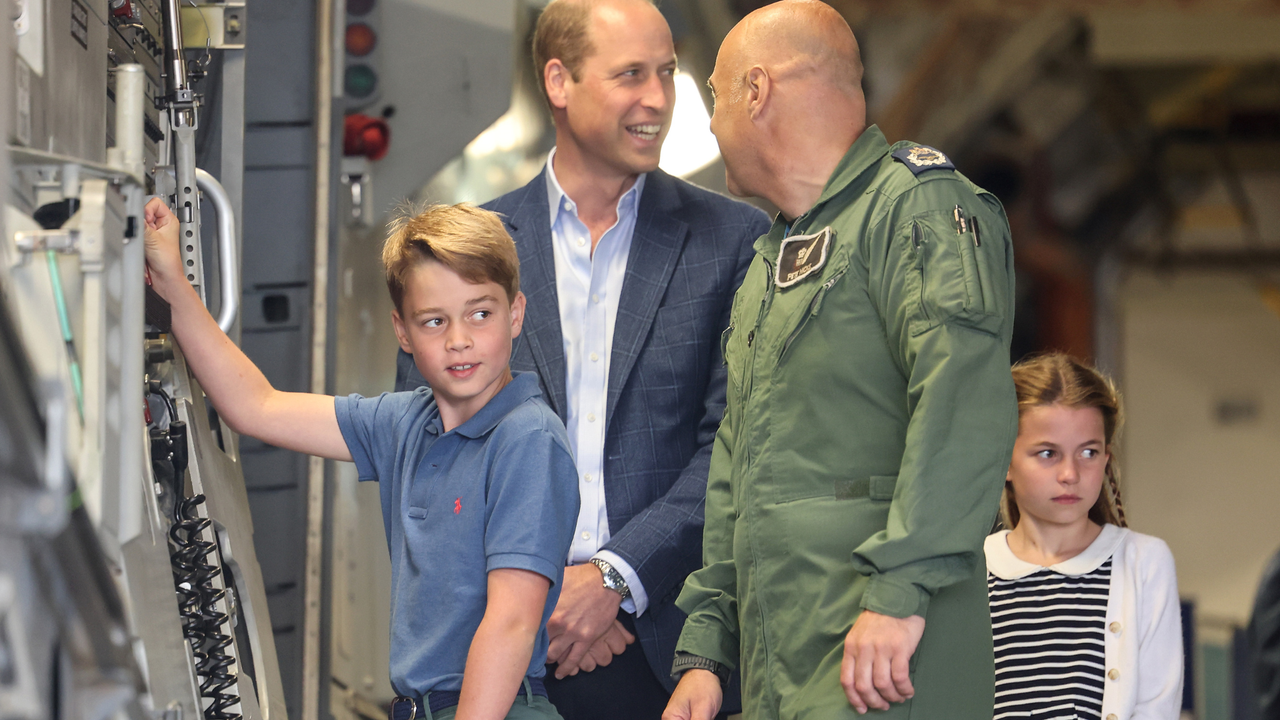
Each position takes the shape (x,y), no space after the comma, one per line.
(750,379)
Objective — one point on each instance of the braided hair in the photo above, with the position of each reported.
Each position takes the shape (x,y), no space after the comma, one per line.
(1059,379)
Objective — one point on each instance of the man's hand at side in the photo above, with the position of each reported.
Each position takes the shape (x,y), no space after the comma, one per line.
(611,643)
(877,655)
(697,697)
(585,612)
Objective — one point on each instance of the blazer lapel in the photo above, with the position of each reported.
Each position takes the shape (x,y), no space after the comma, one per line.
(530,223)
(655,247)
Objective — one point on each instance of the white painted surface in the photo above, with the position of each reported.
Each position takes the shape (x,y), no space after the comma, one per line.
(1210,489)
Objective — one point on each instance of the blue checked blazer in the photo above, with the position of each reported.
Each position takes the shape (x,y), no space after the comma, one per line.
(689,253)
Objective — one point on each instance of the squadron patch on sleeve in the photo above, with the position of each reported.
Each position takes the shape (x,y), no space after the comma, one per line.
(802,256)
(919,158)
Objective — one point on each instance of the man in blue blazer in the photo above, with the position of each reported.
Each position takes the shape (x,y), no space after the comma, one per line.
(630,275)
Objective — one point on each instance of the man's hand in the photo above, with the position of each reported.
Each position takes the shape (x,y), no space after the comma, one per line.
(877,656)
(697,697)
(585,612)
(613,642)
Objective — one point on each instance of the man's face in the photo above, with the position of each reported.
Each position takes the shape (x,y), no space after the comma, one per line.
(618,114)
(459,334)
(729,119)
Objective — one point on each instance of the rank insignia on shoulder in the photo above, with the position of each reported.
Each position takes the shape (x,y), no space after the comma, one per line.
(802,256)
(919,158)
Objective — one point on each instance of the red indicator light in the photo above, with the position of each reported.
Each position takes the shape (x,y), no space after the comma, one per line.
(360,39)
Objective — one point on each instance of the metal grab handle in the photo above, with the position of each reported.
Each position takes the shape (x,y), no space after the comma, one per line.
(230,269)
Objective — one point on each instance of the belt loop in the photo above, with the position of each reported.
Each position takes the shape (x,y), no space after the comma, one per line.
(426,706)
(528,692)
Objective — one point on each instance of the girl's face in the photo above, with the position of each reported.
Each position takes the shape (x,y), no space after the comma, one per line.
(1059,463)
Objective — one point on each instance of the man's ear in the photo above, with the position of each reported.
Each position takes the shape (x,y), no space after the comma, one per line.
(759,89)
(517,315)
(556,79)
(402,333)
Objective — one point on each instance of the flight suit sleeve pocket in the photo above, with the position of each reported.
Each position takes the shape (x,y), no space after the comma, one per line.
(950,267)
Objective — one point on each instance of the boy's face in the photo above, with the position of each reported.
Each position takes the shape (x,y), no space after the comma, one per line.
(459,334)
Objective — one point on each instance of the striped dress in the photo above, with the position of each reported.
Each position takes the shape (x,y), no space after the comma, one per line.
(1049,631)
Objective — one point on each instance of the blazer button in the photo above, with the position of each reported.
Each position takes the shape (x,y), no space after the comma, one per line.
(1115,628)
(1114,674)
(1112,716)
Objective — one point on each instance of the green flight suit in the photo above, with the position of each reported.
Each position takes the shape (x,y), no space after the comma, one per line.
(870,420)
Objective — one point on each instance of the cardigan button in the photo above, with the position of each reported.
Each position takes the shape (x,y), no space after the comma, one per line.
(1115,628)
(1114,674)
(1112,716)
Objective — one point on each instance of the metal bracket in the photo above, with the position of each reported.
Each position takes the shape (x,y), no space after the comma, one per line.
(215,25)
(34,241)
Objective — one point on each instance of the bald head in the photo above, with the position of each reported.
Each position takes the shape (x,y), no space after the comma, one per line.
(798,39)
(789,102)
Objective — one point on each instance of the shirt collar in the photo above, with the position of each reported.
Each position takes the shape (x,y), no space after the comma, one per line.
(1005,565)
(558,201)
(521,388)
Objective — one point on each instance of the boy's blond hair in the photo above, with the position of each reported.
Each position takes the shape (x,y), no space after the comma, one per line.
(470,241)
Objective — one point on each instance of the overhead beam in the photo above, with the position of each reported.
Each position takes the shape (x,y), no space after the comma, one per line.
(1157,36)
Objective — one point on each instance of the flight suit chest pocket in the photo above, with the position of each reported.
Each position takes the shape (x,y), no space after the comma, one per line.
(956,272)
(809,307)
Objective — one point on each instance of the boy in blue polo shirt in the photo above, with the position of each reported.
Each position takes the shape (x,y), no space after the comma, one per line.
(479,490)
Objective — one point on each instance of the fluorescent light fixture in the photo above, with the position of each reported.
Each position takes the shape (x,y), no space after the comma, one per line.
(689,146)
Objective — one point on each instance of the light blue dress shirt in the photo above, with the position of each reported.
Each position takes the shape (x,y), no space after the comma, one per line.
(588,286)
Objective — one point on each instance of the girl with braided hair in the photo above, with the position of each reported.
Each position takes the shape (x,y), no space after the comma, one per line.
(1084,611)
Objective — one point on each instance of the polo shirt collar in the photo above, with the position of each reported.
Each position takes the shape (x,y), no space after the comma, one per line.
(521,388)
(870,147)
(1005,565)
(558,201)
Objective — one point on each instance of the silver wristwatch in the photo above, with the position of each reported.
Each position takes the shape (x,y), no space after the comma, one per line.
(613,579)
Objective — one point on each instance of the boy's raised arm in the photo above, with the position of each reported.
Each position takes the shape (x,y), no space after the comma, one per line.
(503,644)
(244,398)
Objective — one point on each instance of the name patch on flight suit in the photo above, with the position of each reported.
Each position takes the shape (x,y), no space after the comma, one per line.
(801,256)
(919,158)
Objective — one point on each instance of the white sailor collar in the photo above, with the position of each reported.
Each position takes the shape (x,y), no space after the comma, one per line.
(1002,563)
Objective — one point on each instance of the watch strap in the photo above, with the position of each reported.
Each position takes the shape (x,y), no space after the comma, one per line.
(613,579)
(688,661)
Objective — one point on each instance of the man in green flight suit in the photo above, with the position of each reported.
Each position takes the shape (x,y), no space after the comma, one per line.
(871,414)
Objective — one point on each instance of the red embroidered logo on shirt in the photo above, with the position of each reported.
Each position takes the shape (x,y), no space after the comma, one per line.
(457,506)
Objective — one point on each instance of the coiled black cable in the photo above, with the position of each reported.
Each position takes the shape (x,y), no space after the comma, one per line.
(194,571)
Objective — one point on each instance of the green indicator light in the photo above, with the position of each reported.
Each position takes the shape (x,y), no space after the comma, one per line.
(360,81)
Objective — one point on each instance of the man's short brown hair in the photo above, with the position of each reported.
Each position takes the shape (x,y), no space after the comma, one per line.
(562,33)
(470,241)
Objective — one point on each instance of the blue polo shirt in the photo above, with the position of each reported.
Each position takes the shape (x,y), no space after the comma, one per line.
(498,491)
